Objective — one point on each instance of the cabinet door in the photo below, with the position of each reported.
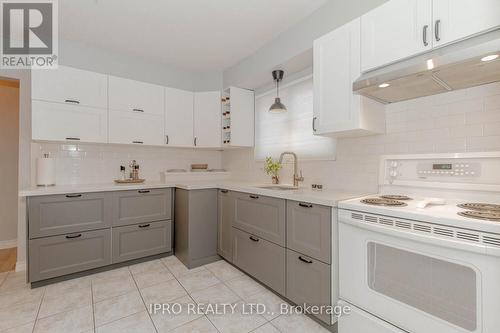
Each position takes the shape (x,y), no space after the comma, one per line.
(135,128)
(61,122)
(261,259)
(308,281)
(60,255)
(141,240)
(457,19)
(131,95)
(336,66)
(179,117)
(226,203)
(207,119)
(242,117)
(396,30)
(71,86)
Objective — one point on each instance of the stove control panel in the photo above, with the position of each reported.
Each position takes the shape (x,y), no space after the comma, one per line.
(448,169)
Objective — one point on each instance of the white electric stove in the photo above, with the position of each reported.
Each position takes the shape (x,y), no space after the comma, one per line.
(423,255)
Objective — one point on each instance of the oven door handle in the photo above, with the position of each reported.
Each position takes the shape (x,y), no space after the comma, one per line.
(427,238)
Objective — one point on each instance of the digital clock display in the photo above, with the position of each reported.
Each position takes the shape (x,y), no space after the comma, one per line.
(441,166)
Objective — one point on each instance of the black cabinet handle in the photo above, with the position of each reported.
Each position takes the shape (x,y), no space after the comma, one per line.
(73,195)
(253,239)
(305,205)
(253,196)
(73,139)
(144,225)
(224,191)
(138,110)
(166,139)
(74,101)
(144,191)
(305,260)
(138,142)
(73,236)
(437,30)
(195,141)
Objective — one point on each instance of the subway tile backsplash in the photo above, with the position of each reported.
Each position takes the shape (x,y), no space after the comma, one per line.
(465,120)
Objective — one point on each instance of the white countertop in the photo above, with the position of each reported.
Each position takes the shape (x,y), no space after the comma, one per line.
(324,197)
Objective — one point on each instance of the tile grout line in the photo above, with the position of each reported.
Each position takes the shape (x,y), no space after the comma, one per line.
(39,307)
(143,302)
(92,300)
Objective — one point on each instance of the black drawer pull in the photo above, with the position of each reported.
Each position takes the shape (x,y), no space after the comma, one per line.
(138,110)
(73,139)
(74,101)
(305,205)
(254,196)
(144,191)
(144,225)
(305,260)
(73,195)
(224,191)
(73,236)
(253,239)
(138,142)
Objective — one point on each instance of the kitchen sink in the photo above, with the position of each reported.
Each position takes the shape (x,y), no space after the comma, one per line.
(278,187)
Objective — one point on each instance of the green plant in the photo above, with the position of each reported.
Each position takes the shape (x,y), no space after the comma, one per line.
(271,167)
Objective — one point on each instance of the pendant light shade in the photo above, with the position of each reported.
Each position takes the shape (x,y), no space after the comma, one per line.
(277,106)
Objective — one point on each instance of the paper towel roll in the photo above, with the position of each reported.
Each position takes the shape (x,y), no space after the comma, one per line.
(45,171)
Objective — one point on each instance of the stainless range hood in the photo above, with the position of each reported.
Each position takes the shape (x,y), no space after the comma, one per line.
(452,67)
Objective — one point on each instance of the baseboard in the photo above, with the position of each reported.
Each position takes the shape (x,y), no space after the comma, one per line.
(20,266)
(7,244)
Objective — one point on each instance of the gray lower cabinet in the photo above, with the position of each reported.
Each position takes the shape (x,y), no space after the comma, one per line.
(226,204)
(60,255)
(261,216)
(61,214)
(196,226)
(260,258)
(139,206)
(309,229)
(141,240)
(309,282)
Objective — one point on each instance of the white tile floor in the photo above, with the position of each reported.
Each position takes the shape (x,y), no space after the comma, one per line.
(118,301)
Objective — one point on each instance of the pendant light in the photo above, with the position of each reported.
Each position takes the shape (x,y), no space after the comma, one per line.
(277,107)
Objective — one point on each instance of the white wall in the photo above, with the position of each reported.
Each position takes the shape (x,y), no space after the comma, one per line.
(295,41)
(94,164)
(9,150)
(460,121)
(75,54)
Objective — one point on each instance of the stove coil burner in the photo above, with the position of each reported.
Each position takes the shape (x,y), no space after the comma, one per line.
(395,197)
(482,215)
(383,202)
(481,207)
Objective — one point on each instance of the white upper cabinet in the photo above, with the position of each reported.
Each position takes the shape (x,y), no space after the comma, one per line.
(337,110)
(70,86)
(135,128)
(458,19)
(207,119)
(396,30)
(60,122)
(135,96)
(179,105)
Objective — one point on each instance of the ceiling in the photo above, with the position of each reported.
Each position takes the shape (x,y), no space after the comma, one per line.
(195,35)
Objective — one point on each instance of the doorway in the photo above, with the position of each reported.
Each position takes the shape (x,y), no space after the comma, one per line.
(9,169)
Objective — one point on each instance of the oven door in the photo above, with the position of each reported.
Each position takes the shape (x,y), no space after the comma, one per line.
(419,277)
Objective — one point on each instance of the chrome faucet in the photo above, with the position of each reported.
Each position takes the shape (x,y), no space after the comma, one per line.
(296,177)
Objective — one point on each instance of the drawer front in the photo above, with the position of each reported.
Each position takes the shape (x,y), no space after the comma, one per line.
(141,240)
(62,214)
(309,230)
(60,255)
(140,206)
(261,216)
(308,281)
(226,202)
(261,259)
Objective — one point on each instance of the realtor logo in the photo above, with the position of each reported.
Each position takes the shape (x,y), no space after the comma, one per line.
(29,34)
